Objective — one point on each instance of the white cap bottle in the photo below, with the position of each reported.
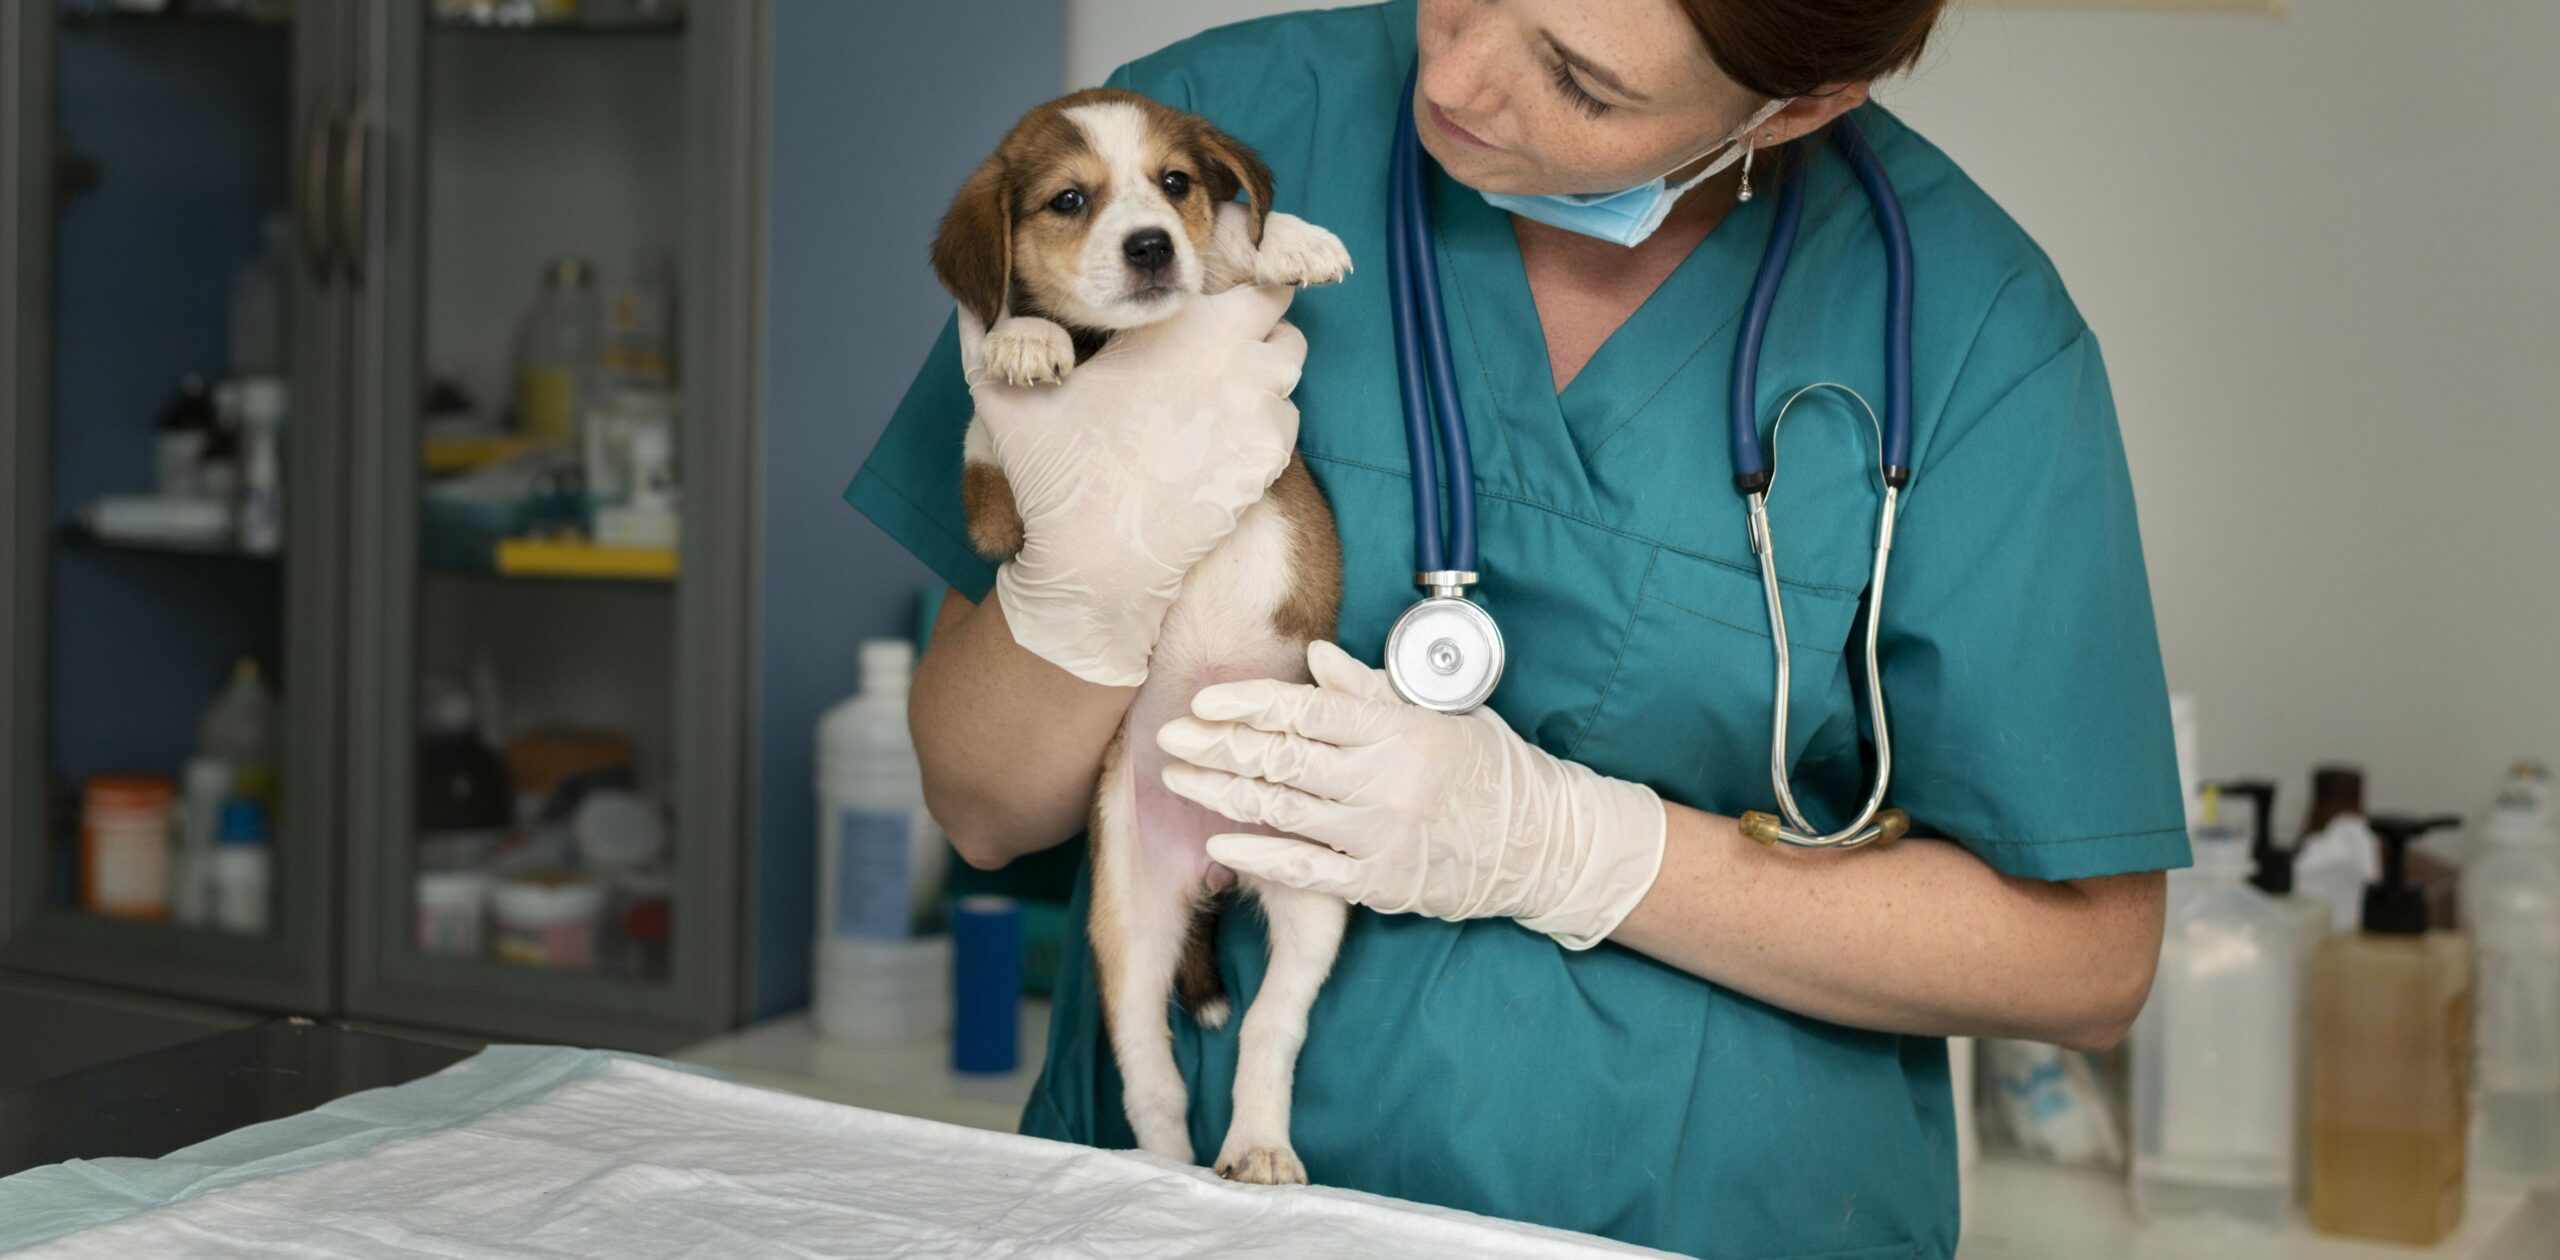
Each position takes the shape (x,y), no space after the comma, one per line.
(2213,1052)
(883,956)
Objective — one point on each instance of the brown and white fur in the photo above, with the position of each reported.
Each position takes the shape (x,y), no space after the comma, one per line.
(1104,210)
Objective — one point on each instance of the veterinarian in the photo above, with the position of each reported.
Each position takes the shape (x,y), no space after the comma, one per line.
(1580,997)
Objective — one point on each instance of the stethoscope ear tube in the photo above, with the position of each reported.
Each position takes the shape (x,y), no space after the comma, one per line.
(1897,298)
(1751,471)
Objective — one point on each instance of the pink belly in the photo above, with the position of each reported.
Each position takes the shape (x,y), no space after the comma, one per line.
(1173,833)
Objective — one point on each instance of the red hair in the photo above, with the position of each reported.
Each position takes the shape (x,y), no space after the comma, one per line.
(1780,48)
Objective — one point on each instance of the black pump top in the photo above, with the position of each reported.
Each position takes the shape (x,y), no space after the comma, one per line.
(2392,906)
(2275,865)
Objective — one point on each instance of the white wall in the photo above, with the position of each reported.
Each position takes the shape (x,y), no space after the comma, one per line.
(2323,255)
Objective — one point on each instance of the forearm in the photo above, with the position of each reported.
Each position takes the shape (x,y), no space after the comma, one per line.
(1011,745)
(1917,937)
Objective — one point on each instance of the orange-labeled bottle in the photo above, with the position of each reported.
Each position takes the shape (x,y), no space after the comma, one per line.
(124,846)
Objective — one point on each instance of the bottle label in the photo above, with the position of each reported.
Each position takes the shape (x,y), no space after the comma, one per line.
(547,403)
(880,856)
(2519,1015)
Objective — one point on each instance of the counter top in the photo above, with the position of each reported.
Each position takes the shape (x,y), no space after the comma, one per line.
(2031,1208)
(153,1103)
(908,1078)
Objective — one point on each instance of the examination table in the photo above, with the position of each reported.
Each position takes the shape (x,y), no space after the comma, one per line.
(524,1150)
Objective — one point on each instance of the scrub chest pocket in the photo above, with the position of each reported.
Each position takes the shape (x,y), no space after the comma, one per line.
(1686,706)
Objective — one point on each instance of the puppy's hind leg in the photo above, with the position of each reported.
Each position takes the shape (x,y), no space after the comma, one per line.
(1141,925)
(1306,933)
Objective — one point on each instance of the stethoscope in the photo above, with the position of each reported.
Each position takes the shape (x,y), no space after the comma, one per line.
(1446,653)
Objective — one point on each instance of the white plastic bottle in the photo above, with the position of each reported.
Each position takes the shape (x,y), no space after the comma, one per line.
(2310,917)
(262,411)
(208,782)
(240,871)
(883,961)
(2213,1052)
(2510,896)
(260,294)
(239,728)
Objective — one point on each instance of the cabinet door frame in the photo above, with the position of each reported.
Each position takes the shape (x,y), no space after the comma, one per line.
(720,307)
(293,968)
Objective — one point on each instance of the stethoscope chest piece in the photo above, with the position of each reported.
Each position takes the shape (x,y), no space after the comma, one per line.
(1445,653)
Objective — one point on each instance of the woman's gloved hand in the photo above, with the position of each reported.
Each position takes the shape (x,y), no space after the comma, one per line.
(1132,469)
(1408,810)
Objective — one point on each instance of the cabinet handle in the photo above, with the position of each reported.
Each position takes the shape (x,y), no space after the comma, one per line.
(354,146)
(312,214)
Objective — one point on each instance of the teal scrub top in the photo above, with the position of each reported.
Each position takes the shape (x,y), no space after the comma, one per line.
(1479,1065)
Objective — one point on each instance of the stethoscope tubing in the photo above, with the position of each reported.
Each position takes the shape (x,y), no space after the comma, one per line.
(1422,337)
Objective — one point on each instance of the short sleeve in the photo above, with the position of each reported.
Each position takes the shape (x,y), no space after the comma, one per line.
(910,484)
(2022,668)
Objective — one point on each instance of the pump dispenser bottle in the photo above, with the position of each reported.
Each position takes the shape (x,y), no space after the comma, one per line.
(2213,1052)
(2390,1093)
(2309,917)
(2511,911)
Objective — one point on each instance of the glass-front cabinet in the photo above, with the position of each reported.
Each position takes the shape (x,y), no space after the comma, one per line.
(379,452)
(548,656)
(175,403)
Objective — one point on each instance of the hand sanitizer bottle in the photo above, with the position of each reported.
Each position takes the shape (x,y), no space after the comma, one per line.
(2390,1098)
(2213,1052)
(2310,919)
(2511,909)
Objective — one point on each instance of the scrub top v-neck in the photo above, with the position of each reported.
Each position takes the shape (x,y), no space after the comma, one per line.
(1479,1065)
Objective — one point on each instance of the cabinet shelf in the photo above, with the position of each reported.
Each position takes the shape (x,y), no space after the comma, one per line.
(81,536)
(467,25)
(98,13)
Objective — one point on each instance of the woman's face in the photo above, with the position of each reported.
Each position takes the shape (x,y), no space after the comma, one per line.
(1573,96)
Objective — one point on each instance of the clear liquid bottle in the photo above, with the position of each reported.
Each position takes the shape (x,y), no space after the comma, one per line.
(2511,911)
(2213,1052)
(556,353)
(2390,1088)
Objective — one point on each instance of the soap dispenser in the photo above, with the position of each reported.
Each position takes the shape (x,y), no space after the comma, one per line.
(2213,1051)
(2309,919)
(2390,1096)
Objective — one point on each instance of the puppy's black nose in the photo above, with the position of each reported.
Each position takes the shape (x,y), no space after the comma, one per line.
(1148,250)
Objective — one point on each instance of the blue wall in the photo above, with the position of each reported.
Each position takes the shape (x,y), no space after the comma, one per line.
(878,112)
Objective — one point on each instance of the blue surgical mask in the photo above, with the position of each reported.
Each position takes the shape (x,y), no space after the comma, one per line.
(1628,217)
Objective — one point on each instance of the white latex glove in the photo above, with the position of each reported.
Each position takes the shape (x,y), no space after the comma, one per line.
(1408,810)
(1132,469)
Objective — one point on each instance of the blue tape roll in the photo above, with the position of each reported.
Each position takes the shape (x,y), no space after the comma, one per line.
(986,978)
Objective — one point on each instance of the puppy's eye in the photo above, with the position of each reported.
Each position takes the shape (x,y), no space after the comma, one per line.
(1068,202)
(1175,183)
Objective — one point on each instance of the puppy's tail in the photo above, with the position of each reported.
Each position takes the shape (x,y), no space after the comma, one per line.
(1196,982)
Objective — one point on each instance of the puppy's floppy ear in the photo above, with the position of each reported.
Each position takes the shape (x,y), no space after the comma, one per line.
(1226,165)
(973,251)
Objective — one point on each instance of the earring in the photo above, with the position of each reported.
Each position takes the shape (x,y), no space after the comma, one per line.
(1744,194)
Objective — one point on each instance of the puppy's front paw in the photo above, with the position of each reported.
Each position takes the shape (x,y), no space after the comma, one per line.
(1263,1166)
(1294,251)
(1027,350)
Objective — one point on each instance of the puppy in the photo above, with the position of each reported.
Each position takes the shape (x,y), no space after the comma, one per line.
(1100,211)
